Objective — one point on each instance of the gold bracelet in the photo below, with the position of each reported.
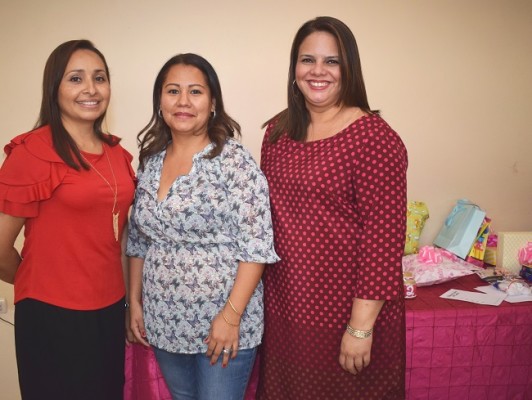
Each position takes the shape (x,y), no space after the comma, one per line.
(358,333)
(226,320)
(233,307)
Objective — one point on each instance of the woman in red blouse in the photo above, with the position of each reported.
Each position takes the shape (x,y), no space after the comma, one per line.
(334,307)
(70,186)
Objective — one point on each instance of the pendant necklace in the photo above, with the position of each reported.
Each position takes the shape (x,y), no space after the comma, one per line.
(115,190)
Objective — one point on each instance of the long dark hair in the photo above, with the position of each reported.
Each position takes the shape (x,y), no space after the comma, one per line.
(50,113)
(294,120)
(155,136)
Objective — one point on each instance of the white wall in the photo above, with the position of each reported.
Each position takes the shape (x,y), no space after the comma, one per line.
(451,76)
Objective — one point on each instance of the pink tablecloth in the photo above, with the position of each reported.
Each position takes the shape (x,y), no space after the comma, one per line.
(459,350)
(455,350)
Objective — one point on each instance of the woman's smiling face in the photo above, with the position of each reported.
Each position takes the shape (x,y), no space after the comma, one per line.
(84,91)
(186,102)
(318,73)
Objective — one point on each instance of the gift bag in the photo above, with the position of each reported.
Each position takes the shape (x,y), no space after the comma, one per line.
(476,255)
(416,215)
(460,228)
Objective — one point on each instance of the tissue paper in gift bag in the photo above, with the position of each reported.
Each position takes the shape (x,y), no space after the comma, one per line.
(508,247)
(476,255)
(490,256)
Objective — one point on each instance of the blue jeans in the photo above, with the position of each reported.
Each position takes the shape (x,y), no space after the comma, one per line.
(191,376)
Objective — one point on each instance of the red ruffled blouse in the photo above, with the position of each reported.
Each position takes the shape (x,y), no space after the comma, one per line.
(70,257)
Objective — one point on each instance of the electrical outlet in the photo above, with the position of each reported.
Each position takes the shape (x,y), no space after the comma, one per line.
(3,305)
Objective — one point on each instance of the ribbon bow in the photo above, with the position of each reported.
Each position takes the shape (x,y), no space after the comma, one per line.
(525,254)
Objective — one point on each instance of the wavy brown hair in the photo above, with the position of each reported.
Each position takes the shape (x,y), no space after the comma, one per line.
(50,113)
(295,119)
(155,136)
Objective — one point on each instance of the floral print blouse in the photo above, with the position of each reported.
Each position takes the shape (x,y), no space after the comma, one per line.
(192,242)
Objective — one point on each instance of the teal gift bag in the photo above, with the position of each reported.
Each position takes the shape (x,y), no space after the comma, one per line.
(460,229)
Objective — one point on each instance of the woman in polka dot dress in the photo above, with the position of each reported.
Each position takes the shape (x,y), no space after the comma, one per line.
(334,307)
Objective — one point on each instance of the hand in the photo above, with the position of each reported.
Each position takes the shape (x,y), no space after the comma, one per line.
(222,336)
(137,323)
(355,353)
(130,338)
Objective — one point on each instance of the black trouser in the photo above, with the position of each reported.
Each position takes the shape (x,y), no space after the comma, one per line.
(68,354)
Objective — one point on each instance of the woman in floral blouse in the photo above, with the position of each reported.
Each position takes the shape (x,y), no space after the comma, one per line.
(200,233)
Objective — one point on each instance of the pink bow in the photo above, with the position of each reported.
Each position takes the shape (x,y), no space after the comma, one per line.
(525,254)
(431,255)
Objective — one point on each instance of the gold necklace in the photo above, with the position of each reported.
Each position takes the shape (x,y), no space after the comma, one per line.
(115,190)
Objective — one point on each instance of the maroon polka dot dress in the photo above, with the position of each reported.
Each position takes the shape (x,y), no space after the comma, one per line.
(338,209)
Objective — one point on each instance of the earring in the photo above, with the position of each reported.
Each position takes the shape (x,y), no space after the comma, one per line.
(213,114)
(160,113)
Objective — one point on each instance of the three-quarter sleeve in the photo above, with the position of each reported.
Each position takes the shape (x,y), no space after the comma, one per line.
(30,173)
(380,182)
(137,241)
(249,204)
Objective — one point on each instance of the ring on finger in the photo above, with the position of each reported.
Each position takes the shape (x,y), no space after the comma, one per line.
(226,351)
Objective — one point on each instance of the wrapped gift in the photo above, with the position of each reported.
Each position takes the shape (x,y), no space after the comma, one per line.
(416,215)
(508,246)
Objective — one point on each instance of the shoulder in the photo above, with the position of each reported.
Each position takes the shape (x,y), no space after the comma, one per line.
(34,144)
(376,139)
(154,158)
(117,148)
(31,171)
(232,144)
(271,125)
(373,128)
(374,123)
(275,128)
(151,165)
(42,134)
(236,162)
(233,149)
(123,157)
(269,129)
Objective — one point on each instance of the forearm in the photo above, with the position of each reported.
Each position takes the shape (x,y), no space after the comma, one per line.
(10,228)
(364,313)
(246,281)
(9,262)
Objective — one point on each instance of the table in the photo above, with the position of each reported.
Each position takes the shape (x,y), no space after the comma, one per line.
(455,350)
(460,350)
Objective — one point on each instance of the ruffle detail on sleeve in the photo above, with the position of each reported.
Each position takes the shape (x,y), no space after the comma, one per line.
(30,173)
(249,194)
(257,251)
